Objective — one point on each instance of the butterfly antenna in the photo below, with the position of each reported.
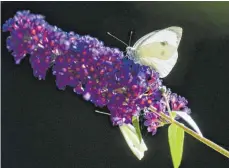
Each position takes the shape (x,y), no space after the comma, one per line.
(131,33)
(117,38)
(101,112)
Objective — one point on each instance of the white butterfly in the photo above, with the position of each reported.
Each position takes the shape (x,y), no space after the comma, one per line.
(157,49)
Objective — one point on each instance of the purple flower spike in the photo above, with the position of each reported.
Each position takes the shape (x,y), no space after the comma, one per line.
(100,74)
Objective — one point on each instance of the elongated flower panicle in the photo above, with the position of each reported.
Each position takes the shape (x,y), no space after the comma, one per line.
(101,74)
(106,77)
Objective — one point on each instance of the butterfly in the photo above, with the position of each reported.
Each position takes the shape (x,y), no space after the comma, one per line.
(157,49)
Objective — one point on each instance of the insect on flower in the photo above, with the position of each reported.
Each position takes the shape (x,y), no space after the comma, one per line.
(129,85)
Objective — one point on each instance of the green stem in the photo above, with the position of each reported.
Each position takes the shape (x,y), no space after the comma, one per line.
(195,135)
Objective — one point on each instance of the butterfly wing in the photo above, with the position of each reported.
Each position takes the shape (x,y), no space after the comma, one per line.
(163,67)
(159,49)
(142,39)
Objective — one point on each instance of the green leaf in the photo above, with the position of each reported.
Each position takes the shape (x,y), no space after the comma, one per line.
(131,137)
(176,142)
(135,122)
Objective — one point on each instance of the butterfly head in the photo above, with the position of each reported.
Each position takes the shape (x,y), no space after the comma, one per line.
(130,52)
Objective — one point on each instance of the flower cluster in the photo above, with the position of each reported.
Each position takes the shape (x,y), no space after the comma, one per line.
(103,75)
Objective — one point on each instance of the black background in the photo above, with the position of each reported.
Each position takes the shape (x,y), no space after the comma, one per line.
(43,127)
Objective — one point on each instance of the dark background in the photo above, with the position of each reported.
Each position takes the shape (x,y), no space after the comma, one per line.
(43,127)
